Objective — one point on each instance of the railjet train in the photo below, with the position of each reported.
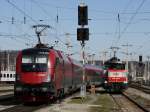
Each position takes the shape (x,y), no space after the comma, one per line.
(116,79)
(43,74)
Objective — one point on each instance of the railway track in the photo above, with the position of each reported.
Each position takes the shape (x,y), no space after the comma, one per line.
(126,104)
(23,108)
(8,94)
(4,89)
(11,105)
(7,101)
(8,90)
(142,88)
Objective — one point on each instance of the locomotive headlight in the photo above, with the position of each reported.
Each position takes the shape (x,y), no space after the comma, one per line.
(105,82)
(125,82)
(104,72)
(48,78)
(17,77)
(44,89)
(18,88)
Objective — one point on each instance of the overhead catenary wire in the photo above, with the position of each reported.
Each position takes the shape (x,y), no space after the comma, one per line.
(11,36)
(47,14)
(121,21)
(25,14)
(43,9)
(118,21)
(95,10)
(98,33)
(21,11)
(148,36)
(131,19)
(126,7)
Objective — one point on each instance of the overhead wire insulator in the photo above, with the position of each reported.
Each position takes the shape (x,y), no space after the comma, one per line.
(12,20)
(57,19)
(24,20)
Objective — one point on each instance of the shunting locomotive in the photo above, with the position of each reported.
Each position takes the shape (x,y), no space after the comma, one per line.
(116,76)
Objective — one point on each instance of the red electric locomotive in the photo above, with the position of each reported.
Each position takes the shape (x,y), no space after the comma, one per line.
(43,73)
(117,76)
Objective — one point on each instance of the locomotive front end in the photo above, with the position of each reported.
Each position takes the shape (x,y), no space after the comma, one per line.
(33,77)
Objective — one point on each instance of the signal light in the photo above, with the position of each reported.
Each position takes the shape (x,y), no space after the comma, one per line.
(140,58)
(82,15)
(82,34)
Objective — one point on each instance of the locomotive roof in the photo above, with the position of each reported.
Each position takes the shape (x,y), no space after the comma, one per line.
(113,60)
(38,49)
(35,50)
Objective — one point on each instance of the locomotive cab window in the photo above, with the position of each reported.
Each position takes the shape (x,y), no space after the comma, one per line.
(34,63)
(117,66)
(120,66)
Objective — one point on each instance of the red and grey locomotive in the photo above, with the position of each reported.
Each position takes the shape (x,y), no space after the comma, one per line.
(116,78)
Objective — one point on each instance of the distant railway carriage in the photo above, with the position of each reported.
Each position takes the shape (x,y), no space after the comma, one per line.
(44,73)
(117,76)
(94,75)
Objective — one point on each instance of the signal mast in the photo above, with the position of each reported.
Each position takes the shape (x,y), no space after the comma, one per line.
(82,36)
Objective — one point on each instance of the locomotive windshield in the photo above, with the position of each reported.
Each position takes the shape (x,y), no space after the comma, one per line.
(34,63)
(116,66)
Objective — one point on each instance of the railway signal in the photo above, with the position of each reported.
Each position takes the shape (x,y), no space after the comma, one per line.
(82,15)
(140,61)
(82,34)
(140,58)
